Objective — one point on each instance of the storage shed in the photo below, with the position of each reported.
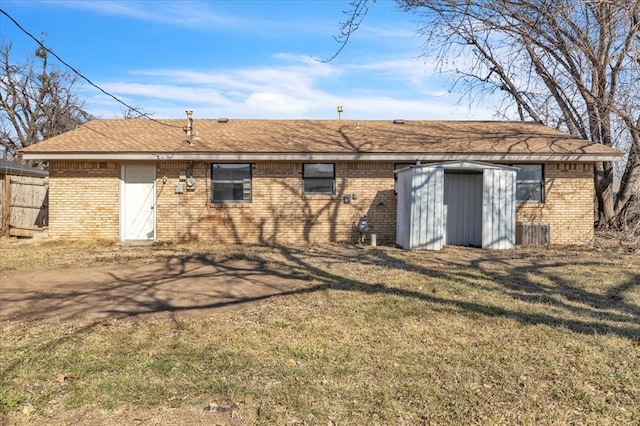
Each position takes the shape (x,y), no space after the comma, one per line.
(461,203)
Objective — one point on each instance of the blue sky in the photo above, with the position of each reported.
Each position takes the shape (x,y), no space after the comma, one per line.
(240,59)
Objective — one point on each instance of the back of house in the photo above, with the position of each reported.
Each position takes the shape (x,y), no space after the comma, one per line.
(315,181)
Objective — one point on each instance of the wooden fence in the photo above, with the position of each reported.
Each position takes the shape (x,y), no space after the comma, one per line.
(25,205)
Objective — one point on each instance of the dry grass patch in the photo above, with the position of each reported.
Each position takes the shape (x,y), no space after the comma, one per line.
(375,336)
(47,253)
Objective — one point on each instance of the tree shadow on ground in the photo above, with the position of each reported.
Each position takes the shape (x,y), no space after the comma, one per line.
(200,283)
(531,289)
(177,284)
(527,287)
(578,310)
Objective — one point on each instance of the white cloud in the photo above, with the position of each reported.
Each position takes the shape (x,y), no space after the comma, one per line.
(198,15)
(417,71)
(166,92)
(414,109)
(180,13)
(270,104)
(295,87)
(377,76)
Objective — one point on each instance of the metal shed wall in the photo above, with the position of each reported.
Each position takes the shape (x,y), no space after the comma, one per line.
(499,209)
(420,206)
(421,219)
(403,210)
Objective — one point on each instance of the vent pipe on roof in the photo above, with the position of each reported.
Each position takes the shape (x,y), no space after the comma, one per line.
(340,112)
(188,129)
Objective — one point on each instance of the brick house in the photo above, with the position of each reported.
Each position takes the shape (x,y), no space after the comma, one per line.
(284,181)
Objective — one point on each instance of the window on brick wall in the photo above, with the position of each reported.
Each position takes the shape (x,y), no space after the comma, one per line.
(318,178)
(231,183)
(529,183)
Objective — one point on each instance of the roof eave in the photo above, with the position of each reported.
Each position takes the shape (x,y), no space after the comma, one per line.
(318,156)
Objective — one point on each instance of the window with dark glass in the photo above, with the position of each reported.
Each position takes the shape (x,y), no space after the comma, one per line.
(231,183)
(529,183)
(318,178)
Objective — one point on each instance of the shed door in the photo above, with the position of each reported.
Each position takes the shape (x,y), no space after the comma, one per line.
(138,202)
(427,224)
(463,208)
(498,209)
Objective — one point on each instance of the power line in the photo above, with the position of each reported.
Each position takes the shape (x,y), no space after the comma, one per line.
(79,74)
(87,124)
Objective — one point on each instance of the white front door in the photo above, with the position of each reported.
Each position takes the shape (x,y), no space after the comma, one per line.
(137,203)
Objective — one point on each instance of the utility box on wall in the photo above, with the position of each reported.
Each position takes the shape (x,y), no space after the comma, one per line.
(532,233)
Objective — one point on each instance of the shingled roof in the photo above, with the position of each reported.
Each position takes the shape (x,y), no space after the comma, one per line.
(143,139)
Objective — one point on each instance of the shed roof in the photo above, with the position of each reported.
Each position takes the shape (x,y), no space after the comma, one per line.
(319,139)
(476,166)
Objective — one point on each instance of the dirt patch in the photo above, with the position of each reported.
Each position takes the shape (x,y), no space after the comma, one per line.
(185,287)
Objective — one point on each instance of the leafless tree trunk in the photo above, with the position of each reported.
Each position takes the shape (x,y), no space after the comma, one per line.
(571,64)
(37,102)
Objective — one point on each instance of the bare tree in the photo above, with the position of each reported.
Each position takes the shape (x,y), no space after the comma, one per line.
(130,114)
(133,112)
(37,101)
(571,64)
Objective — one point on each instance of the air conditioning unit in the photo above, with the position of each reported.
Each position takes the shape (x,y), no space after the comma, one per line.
(532,233)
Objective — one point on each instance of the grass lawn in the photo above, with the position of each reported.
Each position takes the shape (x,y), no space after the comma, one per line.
(373,336)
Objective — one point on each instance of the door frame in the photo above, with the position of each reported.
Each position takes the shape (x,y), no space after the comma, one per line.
(123,197)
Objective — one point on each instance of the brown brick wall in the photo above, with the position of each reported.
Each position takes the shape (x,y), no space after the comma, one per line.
(84,203)
(568,203)
(84,200)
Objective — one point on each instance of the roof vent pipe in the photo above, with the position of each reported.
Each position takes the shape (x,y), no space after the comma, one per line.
(340,112)
(188,129)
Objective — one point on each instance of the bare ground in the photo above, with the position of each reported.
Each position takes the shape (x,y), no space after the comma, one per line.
(185,287)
